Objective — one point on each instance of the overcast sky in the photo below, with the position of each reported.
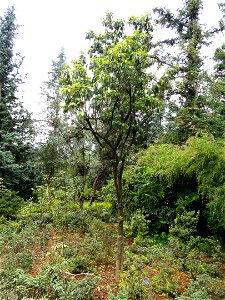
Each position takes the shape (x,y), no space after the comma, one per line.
(48,25)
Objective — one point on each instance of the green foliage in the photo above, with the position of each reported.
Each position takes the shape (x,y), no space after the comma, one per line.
(102,211)
(168,180)
(10,202)
(109,91)
(189,108)
(190,249)
(51,156)
(205,288)
(121,295)
(67,149)
(119,78)
(49,284)
(17,156)
(80,264)
(19,242)
(184,226)
(66,161)
(132,279)
(149,268)
(176,268)
(112,80)
(21,260)
(161,284)
(137,225)
(217,93)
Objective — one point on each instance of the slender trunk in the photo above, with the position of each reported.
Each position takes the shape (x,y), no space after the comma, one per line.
(196,90)
(81,202)
(92,199)
(84,179)
(94,188)
(81,196)
(118,170)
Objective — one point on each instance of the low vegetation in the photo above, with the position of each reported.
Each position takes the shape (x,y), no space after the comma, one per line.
(72,256)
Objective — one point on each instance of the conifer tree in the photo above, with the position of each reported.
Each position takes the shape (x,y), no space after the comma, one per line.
(188,105)
(217,93)
(50,153)
(17,158)
(67,148)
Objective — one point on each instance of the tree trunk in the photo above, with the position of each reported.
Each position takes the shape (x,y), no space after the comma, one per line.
(94,189)
(81,202)
(118,170)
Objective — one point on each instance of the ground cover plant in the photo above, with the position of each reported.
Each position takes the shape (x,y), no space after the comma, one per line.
(75,259)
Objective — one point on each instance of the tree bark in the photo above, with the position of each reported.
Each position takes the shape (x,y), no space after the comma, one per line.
(94,189)
(118,170)
(81,202)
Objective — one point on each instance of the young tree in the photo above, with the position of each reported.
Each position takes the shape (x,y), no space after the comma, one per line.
(109,92)
(17,157)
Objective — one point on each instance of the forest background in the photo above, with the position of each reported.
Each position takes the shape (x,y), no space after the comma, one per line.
(134,137)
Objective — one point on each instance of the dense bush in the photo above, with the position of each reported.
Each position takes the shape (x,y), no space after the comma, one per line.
(10,202)
(167,180)
(205,288)
(49,284)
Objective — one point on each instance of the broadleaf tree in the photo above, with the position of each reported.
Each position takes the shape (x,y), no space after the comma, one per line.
(109,91)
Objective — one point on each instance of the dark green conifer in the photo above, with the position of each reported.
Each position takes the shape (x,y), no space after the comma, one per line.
(17,159)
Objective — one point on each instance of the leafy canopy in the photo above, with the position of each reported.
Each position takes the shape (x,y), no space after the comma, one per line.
(109,89)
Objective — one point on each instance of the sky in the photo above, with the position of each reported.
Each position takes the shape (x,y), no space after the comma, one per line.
(49,25)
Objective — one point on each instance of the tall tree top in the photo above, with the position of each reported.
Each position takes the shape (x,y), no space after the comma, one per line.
(8,32)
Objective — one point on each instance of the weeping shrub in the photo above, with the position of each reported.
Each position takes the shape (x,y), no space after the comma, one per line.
(167,180)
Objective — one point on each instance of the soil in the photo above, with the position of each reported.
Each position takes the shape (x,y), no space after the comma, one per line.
(106,272)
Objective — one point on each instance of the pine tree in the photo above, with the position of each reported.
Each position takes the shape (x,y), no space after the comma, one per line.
(50,153)
(188,105)
(67,148)
(217,93)
(17,158)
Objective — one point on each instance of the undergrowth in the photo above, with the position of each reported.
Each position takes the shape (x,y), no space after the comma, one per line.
(66,259)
